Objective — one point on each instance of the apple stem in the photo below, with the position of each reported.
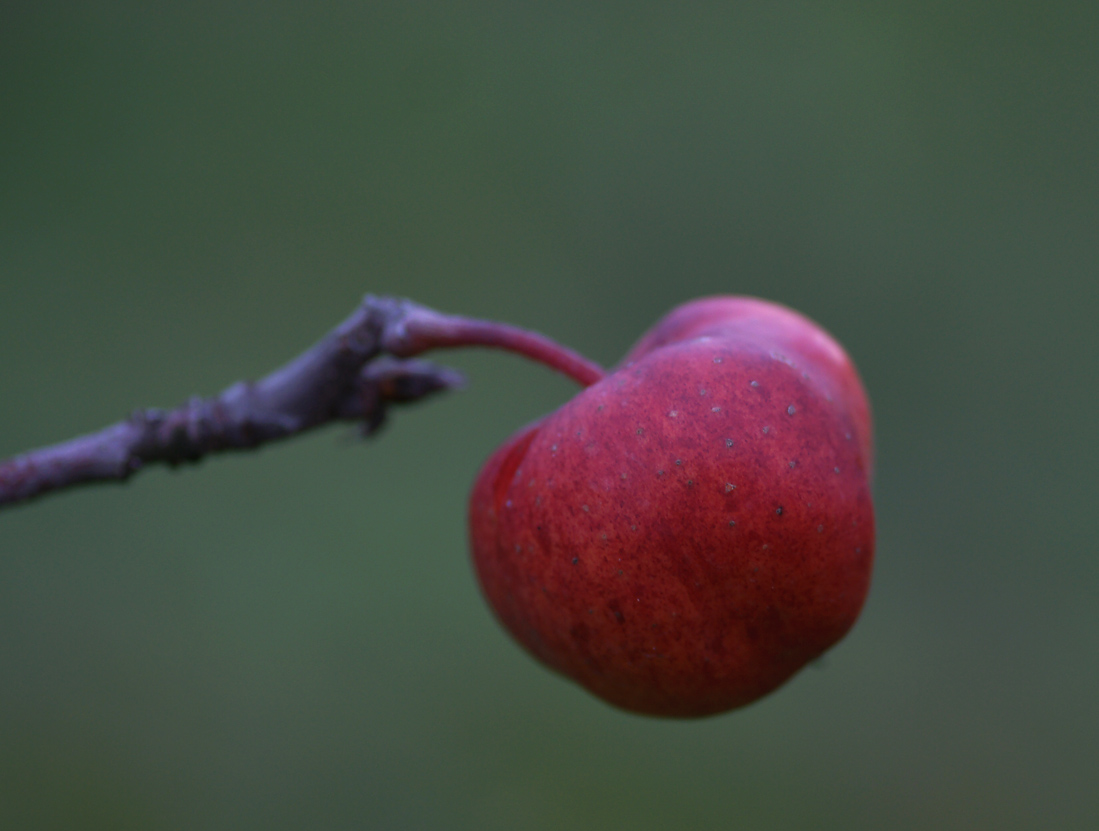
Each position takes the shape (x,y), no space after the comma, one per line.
(415,329)
(343,377)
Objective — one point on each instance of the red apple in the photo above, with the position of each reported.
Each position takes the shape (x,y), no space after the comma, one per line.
(691,530)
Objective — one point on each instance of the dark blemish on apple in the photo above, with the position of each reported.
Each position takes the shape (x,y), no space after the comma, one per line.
(755,384)
(791,410)
(766,430)
(715,409)
(633,527)
(836,469)
(640,431)
(729,486)
(778,510)
(702,392)
(732,522)
(679,462)
(598,409)
(575,560)
(690,483)
(660,473)
(729,442)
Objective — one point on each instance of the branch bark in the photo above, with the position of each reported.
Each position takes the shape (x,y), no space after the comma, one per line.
(352,374)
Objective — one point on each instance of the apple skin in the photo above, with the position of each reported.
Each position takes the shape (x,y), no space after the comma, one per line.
(687,533)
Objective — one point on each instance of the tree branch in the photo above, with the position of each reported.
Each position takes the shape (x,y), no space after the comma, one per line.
(343,377)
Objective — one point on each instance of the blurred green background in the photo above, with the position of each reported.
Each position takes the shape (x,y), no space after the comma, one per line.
(293,639)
